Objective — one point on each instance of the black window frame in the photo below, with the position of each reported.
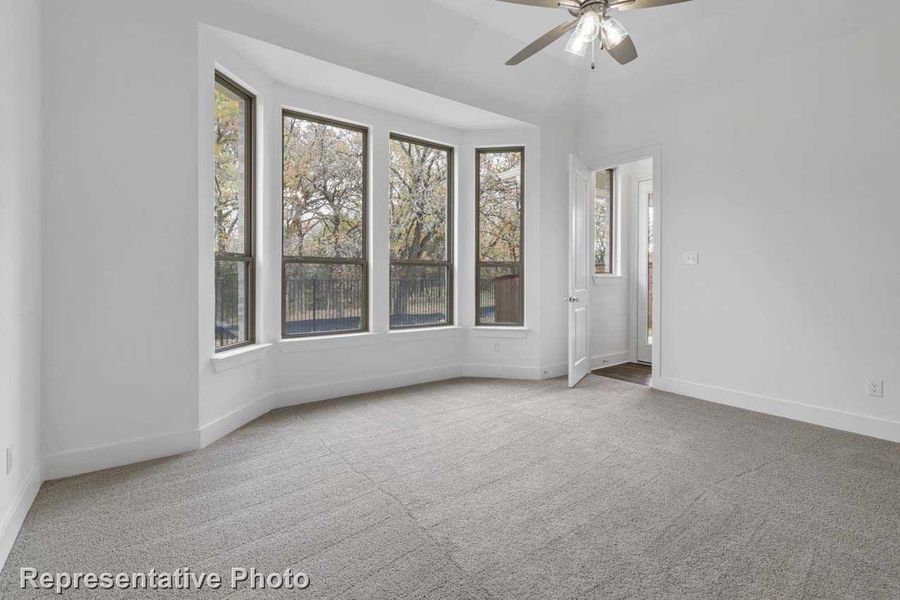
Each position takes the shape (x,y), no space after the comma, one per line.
(447,263)
(248,257)
(611,251)
(480,264)
(362,262)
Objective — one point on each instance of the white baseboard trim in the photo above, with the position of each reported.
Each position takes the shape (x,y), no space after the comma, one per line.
(13,519)
(328,391)
(219,428)
(501,371)
(76,462)
(611,359)
(817,415)
(552,371)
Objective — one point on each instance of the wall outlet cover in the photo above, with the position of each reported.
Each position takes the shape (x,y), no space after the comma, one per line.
(692,258)
(875,389)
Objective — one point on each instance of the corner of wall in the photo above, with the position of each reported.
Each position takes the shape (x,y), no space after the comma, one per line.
(12,521)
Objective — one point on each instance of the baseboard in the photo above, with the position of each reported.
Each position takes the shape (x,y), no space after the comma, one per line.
(12,521)
(76,462)
(611,359)
(552,371)
(502,371)
(817,415)
(236,419)
(363,385)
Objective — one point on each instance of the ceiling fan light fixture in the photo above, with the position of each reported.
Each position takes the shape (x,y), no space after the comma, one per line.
(577,45)
(613,33)
(586,31)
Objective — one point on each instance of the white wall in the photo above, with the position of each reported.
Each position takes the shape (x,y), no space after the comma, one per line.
(120,165)
(20,261)
(123,257)
(297,371)
(777,167)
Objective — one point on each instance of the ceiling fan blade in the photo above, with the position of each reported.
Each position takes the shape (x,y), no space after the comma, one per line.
(542,42)
(624,52)
(546,3)
(636,4)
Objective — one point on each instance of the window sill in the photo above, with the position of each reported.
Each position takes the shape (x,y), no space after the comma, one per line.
(239,356)
(609,279)
(328,342)
(424,333)
(500,332)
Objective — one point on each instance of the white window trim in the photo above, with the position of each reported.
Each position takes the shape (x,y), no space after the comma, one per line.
(483,331)
(327,342)
(229,359)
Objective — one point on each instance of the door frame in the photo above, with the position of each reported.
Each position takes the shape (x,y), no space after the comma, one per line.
(613,161)
(640,270)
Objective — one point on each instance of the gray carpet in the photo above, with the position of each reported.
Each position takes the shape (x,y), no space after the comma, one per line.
(496,489)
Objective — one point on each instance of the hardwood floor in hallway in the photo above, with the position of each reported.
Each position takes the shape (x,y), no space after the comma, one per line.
(639,373)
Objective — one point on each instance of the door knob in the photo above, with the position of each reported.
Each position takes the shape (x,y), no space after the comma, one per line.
(572,299)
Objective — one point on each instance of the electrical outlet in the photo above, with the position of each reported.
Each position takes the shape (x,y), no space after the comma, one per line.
(692,258)
(9,460)
(875,389)
(495,347)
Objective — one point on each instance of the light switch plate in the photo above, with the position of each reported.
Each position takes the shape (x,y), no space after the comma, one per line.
(692,258)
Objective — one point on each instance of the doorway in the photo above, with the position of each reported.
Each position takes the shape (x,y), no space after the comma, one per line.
(625,291)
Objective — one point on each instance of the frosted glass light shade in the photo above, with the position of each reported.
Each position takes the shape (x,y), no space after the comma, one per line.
(586,31)
(613,33)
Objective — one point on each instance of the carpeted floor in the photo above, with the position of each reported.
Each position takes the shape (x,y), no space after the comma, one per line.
(496,489)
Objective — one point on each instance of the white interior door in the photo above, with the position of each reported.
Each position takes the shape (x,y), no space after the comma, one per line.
(645,272)
(581,197)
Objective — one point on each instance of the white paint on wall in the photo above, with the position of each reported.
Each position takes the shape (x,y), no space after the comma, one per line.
(124,359)
(309,369)
(769,163)
(20,262)
(768,154)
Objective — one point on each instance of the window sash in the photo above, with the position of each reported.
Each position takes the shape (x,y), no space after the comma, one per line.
(479,264)
(447,263)
(249,206)
(362,261)
(611,248)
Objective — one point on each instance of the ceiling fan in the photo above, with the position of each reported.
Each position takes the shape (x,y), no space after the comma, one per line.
(592,24)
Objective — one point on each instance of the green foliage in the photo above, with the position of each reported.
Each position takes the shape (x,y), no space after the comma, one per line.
(419,201)
(322,189)
(500,207)
(603,223)
(230,148)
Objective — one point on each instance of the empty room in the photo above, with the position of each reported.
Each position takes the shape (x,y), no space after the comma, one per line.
(449,299)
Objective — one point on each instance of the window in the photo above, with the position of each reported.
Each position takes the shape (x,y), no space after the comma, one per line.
(604,223)
(421,176)
(234,274)
(500,237)
(324,264)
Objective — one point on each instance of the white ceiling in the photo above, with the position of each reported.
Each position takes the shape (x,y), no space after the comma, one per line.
(427,45)
(305,72)
(527,23)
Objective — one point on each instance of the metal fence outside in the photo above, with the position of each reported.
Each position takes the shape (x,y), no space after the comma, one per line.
(335,304)
(418,301)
